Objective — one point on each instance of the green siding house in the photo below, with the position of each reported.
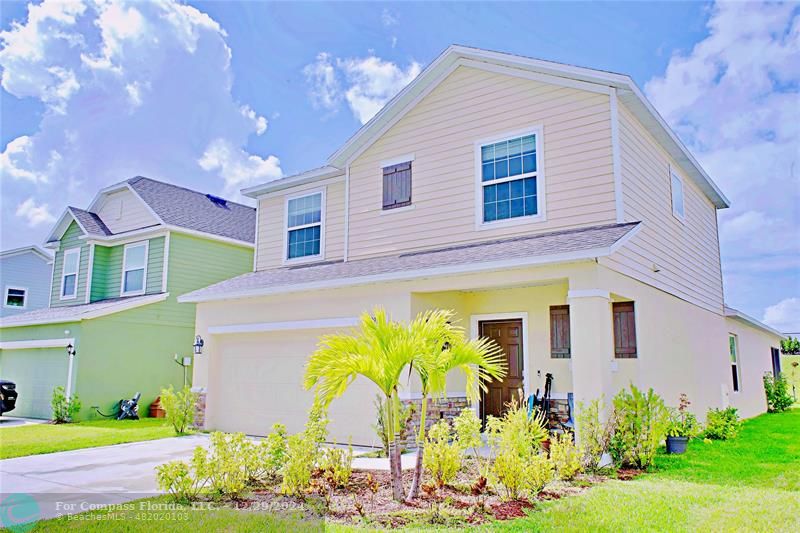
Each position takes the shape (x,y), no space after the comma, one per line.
(118,269)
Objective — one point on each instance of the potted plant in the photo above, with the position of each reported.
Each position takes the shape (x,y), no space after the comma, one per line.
(682,426)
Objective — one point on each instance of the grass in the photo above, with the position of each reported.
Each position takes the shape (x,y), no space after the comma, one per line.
(34,439)
(750,483)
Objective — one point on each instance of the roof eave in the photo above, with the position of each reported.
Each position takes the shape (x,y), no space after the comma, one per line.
(730,312)
(310,176)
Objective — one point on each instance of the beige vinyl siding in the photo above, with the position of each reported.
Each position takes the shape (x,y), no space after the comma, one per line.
(123,211)
(441,131)
(687,252)
(272,224)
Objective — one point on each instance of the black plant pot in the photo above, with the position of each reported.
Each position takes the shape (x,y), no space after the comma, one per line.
(676,444)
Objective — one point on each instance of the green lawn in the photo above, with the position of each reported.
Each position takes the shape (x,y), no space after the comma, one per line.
(751,483)
(35,439)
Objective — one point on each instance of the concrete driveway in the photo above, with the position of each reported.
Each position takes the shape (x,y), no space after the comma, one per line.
(72,482)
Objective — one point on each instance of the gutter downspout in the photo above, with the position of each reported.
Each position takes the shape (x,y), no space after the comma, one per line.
(346,210)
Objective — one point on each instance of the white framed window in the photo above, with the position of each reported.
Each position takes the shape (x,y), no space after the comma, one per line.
(510,181)
(15,297)
(733,348)
(676,186)
(69,273)
(134,268)
(304,238)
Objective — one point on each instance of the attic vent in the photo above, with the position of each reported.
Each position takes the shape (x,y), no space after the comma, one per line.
(216,200)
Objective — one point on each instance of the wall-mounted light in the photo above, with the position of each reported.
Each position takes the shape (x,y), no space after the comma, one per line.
(198,345)
(71,350)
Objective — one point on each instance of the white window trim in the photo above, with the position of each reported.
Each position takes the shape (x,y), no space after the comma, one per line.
(408,158)
(738,368)
(679,216)
(122,291)
(24,297)
(540,215)
(76,273)
(308,258)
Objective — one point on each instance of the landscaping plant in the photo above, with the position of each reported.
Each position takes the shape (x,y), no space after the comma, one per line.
(467,427)
(722,424)
(594,434)
(777,391)
(275,450)
(64,409)
(443,457)
(790,346)
(566,457)
(640,423)
(303,452)
(683,423)
(179,407)
(180,480)
(381,350)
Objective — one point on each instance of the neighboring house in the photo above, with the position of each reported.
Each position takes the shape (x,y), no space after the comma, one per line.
(25,275)
(119,266)
(549,205)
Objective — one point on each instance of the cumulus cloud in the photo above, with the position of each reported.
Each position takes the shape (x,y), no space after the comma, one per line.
(128,88)
(238,168)
(366,84)
(34,214)
(784,315)
(734,98)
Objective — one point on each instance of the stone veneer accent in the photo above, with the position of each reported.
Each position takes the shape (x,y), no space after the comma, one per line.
(199,408)
(438,408)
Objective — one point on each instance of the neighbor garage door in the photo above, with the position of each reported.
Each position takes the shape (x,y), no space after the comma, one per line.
(36,372)
(259,381)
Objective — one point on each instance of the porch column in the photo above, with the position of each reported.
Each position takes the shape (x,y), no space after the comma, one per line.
(592,343)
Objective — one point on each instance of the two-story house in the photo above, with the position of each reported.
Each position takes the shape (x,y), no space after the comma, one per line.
(113,326)
(25,279)
(549,205)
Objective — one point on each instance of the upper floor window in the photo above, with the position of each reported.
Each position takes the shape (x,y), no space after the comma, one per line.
(69,273)
(733,348)
(397,185)
(15,297)
(134,268)
(509,178)
(676,184)
(624,330)
(304,226)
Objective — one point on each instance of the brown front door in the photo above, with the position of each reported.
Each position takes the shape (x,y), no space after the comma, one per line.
(508,335)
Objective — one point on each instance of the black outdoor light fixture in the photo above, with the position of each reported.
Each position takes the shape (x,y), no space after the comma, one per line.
(198,345)
(71,350)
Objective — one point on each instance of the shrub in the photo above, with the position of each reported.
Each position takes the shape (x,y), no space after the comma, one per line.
(516,440)
(722,424)
(467,427)
(682,423)
(594,434)
(565,456)
(303,452)
(179,407)
(177,479)
(225,464)
(336,465)
(275,451)
(640,421)
(64,409)
(777,391)
(790,346)
(442,457)
(406,413)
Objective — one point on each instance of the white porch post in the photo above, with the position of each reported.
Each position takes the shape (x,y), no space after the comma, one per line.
(592,343)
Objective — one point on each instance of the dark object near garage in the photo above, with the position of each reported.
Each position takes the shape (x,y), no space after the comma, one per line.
(8,396)
(156,409)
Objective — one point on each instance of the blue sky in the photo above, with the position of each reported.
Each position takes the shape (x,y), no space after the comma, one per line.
(220,95)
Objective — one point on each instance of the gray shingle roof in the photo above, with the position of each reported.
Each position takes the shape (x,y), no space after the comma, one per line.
(75,313)
(90,221)
(197,211)
(531,249)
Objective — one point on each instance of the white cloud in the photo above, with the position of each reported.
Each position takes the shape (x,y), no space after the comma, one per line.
(388,18)
(129,88)
(34,214)
(238,168)
(366,84)
(784,315)
(734,98)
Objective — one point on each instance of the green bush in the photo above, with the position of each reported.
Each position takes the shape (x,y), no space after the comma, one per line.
(777,391)
(566,457)
(336,465)
(179,407)
(179,480)
(442,457)
(64,409)
(594,434)
(303,453)
(722,424)
(467,427)
(275,451)
(682,423)
(640,422)
(516,440)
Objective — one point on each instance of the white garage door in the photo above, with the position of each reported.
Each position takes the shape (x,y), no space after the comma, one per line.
(259,381)
(36,372)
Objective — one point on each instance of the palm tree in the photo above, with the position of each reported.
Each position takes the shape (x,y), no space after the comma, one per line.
(446,348)
(378,352)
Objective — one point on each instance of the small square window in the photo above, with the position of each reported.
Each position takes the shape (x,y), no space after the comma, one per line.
(15,297)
